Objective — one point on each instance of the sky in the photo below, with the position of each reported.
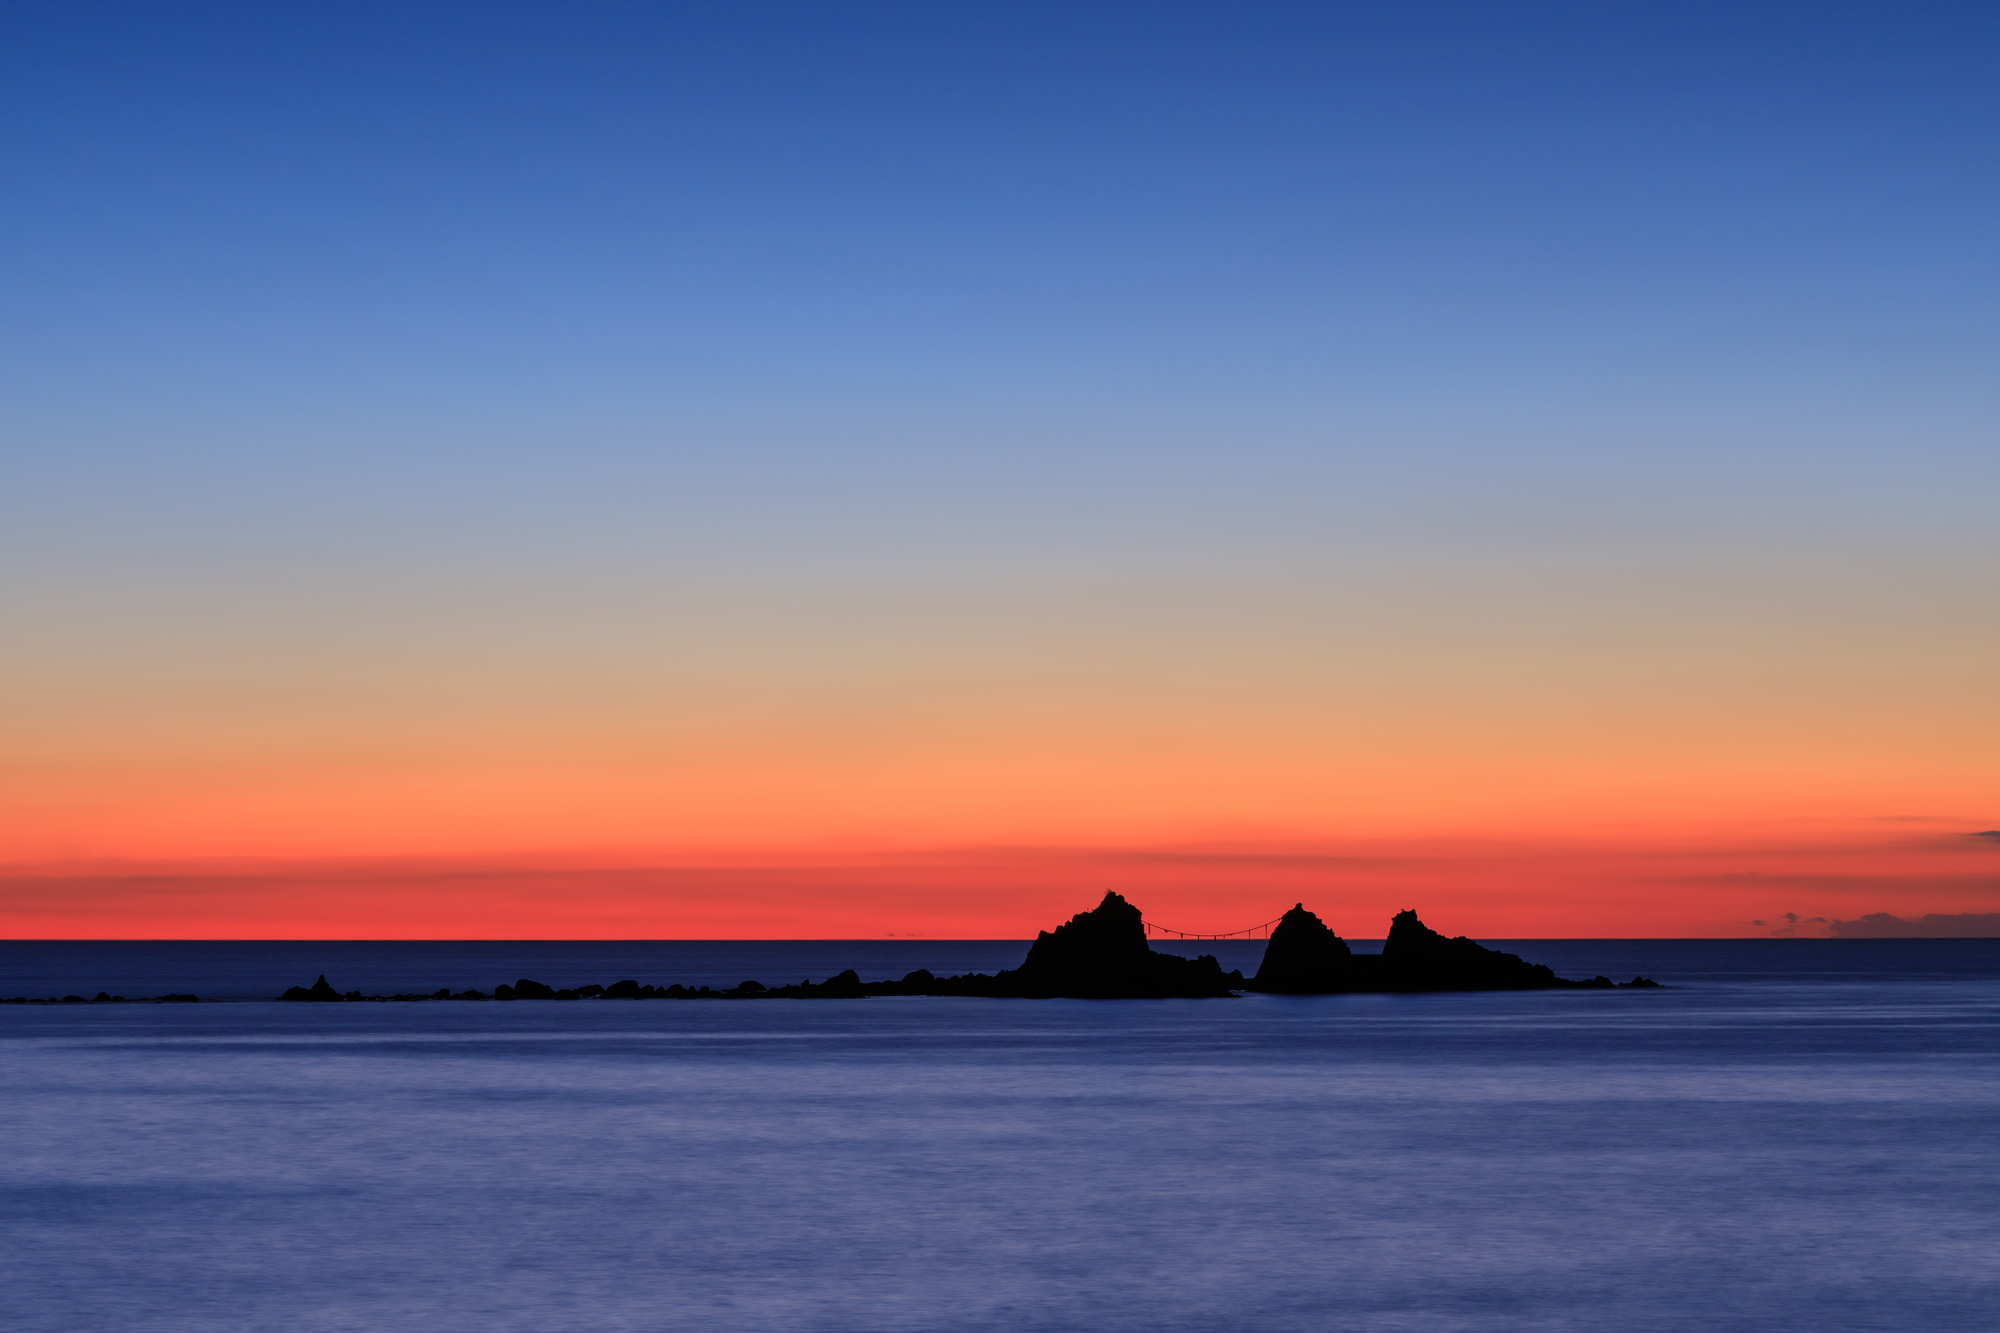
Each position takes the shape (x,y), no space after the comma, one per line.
(850,470)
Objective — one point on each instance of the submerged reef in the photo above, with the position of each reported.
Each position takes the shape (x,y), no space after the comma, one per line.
(1102,954)
(103,997)
(1096,955)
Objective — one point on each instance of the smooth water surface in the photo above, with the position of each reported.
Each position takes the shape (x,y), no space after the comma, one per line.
(1820,1153)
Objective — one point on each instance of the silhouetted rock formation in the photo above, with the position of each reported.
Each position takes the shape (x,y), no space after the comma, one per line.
(1304,957)
(319,991)
(846,985)
(1102,954)
(1415,957)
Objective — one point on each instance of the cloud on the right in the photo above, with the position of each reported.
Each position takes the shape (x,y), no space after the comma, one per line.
(1931,925)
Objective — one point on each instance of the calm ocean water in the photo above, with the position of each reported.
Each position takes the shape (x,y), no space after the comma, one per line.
(1795,1135)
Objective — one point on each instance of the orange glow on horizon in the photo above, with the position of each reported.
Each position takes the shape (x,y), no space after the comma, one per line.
(1491,890)
(1613,764)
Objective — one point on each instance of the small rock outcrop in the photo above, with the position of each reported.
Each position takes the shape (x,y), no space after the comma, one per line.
(319,990)
(844,986)
(1304,957)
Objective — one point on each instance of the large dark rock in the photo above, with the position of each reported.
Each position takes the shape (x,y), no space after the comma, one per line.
(1102,954)
(1417,958)
(1304,957)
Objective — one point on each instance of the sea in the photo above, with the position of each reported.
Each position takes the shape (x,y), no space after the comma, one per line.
(1788,1135)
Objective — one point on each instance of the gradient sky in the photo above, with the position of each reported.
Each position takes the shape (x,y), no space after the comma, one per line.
(847,470)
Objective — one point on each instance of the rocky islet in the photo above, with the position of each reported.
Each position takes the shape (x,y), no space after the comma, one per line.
(1305,957)
(1102,954)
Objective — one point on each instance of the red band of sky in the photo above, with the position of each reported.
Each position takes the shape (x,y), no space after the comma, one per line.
(1487,890)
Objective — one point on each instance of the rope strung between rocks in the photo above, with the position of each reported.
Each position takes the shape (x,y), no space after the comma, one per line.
(1248,932)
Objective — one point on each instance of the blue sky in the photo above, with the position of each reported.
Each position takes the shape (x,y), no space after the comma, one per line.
(1281,230)
(460,330)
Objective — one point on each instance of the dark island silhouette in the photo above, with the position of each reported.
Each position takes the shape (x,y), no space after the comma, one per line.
(1102,954)
(1305,957)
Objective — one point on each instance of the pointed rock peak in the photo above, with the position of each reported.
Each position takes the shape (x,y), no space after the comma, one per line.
(1409,935)
(319,991)
(1103,954)
(1114,930)
(1304,957)
(1113,916)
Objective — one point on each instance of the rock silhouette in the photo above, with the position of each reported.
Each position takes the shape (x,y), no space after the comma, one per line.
(1415,957)
(1301,959)
(318,991)
(1304,957)
(1102,954)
